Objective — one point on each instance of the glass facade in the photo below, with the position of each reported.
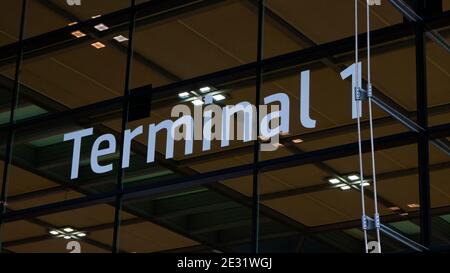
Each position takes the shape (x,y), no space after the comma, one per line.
(113,66)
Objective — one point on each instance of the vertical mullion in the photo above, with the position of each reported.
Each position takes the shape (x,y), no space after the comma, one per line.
(422,120)
(11,127)
(256,146)
(125,116)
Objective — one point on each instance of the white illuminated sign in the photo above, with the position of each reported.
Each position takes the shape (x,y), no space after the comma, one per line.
(199,127)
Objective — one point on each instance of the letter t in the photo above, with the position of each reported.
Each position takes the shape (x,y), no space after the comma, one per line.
(76,137)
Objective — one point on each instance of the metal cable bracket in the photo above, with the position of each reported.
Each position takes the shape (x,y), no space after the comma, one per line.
(360,94)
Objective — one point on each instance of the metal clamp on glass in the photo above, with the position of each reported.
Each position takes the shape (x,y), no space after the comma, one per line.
(377,220)
(364,221)
(369,90)
(360,94)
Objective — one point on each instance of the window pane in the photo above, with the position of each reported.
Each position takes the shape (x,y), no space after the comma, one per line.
(62,232)
(205,38)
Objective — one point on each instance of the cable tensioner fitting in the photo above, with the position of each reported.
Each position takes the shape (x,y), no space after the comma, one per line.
(364,222)
(377,220)
(360,94)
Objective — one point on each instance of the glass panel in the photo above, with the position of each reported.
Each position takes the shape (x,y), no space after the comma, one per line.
(318,22)
(60,13)
(207,219)
(438,80)
(45,165)
(323,203)
(440,193)
(10,22)
(87,66)
(205,38)
(330,97)
(62,232)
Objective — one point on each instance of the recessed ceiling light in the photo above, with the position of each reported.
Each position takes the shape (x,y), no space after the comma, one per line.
(183,95)
(120,38)
(278,145)
(404,214)
(413,206)
(297,141)
(98,45)
(68,229)
(78,34)
(101,27)
(96,16)
(72,23)
(353,177)
(334,181)
(394,208)
(54,232)
(67,233)
(219,97)
(346,187)
(197,102)
(365,184)
(205,89)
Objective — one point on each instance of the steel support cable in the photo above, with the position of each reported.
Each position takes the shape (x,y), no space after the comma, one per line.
(358,107)
(372,145)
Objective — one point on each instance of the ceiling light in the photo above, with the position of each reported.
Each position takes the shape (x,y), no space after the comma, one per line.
(72,23)
(278,145)
(101,27)
(98,45)
(54,232)
(183,95)
(413,206)
(297,141)
(68,229)
(96,16)
(365,184)
(205,89)
(353,177)
(197,102)
(78,34)
(219,97)
(120,38)
(404,214)
(67,233)
(394,208)
(346,187)
(334,181)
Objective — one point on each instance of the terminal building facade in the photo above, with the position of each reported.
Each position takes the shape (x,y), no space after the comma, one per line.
(112,66)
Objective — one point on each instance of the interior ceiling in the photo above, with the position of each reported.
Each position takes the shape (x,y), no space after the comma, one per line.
(218,37)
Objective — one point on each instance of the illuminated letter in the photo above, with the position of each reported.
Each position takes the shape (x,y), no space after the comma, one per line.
(350,71)
(170,126)
(283,114)
(305,119)
(128,137)
(228,111)
(77,136)
(97,152)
